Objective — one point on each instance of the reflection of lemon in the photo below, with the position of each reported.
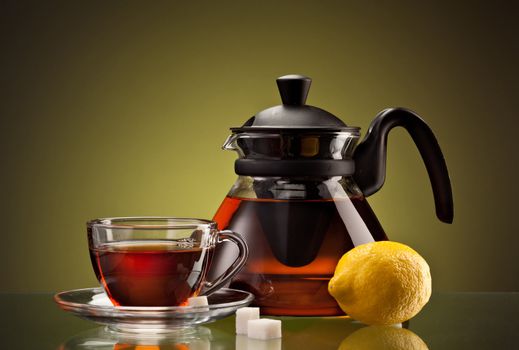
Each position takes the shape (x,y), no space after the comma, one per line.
(383,338)
(381,283)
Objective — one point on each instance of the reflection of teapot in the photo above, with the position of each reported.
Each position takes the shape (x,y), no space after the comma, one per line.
(299,200)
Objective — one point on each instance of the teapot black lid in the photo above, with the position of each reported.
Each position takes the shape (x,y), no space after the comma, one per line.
(293,113)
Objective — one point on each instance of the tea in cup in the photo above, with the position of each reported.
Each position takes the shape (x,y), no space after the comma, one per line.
(158,261)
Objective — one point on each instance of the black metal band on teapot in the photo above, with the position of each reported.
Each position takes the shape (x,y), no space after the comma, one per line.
(294,167)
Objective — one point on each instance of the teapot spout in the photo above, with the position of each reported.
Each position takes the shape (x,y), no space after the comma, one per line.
(370,157)
(230,143)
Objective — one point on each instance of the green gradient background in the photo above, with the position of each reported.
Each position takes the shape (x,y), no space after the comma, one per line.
(120,108)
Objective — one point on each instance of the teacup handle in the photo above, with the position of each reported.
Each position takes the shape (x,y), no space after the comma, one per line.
(229,236)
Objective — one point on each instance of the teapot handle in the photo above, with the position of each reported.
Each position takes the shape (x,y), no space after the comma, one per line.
(370,157)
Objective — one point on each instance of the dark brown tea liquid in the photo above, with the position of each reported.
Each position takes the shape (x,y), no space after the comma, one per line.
(294,248)
(150,273)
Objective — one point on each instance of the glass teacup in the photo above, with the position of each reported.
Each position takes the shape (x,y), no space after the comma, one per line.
(158,261)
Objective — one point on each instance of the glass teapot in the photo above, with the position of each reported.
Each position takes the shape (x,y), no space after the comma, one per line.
(299,200)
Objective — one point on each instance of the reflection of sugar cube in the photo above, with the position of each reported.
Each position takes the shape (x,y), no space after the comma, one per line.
(245,343)
(243,315)
(241,342)
(199,344)
(264,328)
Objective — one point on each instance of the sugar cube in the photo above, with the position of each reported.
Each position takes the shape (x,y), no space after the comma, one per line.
(264,329)
(198,301)
(101,299)
(243,315)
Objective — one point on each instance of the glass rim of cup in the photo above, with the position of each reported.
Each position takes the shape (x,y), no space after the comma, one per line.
(167,223)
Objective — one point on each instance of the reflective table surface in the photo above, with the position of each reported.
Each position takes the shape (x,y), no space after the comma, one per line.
(448,321)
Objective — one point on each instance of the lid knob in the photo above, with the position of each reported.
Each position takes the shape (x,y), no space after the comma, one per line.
(293,89)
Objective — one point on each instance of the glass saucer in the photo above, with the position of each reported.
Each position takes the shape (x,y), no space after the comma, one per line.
(93,304)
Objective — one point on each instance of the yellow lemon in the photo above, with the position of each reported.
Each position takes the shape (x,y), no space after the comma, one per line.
(381,283)
(383,338)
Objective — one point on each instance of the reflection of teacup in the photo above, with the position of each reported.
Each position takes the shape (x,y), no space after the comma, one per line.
(383,338)
(152,261)
(103,339)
